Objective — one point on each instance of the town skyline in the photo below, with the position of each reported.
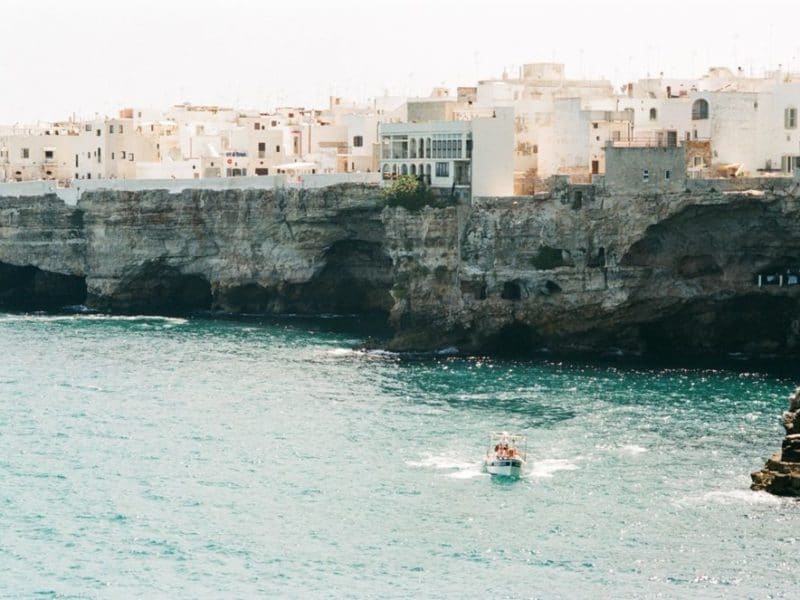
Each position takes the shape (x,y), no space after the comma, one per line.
(100,57)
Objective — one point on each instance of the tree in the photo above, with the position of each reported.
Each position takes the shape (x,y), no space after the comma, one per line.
(409,192)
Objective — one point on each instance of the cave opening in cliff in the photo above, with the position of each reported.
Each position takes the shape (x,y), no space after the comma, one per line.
(31,288)
(751,324)
(156,288)
(356,278)
(512,290)
(515,340)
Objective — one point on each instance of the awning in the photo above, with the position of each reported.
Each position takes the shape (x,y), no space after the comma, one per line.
(296,166)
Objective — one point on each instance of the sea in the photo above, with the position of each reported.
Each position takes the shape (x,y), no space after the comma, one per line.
(150,457)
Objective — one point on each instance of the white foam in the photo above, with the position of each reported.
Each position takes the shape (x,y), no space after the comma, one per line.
(441,462)
(351,352)
(92,317)
(469,473)
(448,350)
(736,496)
(339,352)
(633,449)
(548,466)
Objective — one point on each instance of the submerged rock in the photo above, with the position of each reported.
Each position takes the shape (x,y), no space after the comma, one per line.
(781,474)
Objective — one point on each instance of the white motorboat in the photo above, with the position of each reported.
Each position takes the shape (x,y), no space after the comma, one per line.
(507,454)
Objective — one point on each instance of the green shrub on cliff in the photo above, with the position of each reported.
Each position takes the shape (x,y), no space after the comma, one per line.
(409,192)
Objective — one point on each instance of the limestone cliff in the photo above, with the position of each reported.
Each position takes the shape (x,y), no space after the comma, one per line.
(781,474)
(579,268)
(640,273)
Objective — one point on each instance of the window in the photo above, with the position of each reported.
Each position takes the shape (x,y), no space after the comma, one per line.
(358,141)
(653,114)
(274,124)
(277,148)
(667,174)
(88,127)
(698,161)
(122,154)
(76,162)
(48,154)
(25,153)
(699,110)
(110,129)
(442,169)
(99,132)
(257,126)
(789,163)
(262,149)
(120,128)
(130,157)
(615,136)
(595,125)
(112,156)
(790,118)
(646,175)
(99,156)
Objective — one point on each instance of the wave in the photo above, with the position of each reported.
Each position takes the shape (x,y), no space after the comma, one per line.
(34,318)
(356,353)
(727,497)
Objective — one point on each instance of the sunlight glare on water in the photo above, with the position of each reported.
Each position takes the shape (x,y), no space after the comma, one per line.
(153,457)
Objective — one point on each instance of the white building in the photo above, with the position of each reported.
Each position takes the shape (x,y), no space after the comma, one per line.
(450,154)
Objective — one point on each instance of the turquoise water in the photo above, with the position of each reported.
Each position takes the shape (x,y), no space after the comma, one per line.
(170,458)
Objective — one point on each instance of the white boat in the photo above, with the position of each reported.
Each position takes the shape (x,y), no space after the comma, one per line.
(507,454)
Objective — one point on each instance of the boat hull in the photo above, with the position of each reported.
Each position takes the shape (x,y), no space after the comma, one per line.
(504,467)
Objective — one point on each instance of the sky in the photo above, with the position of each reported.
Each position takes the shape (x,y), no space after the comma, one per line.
(87,57)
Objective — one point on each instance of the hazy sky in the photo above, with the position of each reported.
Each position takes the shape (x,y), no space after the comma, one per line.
(95,56)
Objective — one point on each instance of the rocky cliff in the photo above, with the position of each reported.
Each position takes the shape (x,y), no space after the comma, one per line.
(781,474)
(579,268)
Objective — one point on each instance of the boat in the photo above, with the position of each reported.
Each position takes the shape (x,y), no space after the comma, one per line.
(507,454)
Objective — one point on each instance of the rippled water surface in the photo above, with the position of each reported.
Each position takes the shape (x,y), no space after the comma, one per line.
(151,457)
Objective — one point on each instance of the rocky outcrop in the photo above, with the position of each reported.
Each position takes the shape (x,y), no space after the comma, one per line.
(642,273)
(781,474)
(578,269)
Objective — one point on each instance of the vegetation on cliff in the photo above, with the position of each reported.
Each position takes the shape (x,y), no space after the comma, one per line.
(409,192)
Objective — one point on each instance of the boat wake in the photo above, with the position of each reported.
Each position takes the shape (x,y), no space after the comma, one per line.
(459,468)
(547,467)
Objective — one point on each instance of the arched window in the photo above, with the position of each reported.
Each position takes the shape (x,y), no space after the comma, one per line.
(404,170)
(699,110)
(653,114)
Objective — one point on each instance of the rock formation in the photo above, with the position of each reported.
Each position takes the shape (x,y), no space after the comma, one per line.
(580,268)
(781,474)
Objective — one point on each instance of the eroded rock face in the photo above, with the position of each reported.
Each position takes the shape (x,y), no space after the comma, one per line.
(663,273)
(246,251)
(671,273)
(781,474)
